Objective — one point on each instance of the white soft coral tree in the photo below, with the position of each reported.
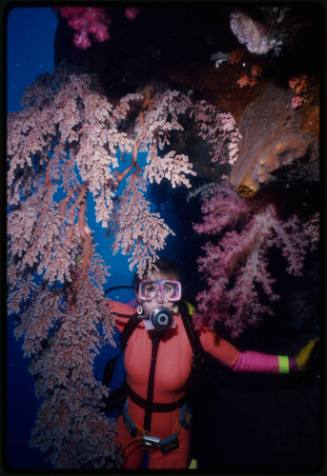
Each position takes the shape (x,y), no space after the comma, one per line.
(62,148)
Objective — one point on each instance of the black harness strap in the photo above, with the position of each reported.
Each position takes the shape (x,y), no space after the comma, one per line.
(129,329)
(198,351)
(155,406)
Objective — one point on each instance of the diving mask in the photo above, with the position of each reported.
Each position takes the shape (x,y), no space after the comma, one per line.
(165,289)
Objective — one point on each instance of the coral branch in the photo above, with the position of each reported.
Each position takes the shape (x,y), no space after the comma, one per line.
(173,167)
(140,232)
(219,130)
(238,265)
(91,21)
(86,21)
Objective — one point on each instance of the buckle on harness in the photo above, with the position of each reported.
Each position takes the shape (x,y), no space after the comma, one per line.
(165,445)
(151,441)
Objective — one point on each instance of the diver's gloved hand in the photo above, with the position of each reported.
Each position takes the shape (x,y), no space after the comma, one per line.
(300,362)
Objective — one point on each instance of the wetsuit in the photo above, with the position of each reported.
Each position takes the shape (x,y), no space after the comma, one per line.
(172,370)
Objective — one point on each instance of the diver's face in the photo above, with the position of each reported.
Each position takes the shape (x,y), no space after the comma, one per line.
(159,300)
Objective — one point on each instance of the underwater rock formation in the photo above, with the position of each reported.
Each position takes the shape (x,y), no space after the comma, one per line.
(276,138)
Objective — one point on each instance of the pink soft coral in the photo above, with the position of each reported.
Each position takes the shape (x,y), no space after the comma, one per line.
(88,21)
(132,12)
(237,266)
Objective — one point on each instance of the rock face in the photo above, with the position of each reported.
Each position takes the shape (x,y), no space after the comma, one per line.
(174,41)
(174,45)
(276,138)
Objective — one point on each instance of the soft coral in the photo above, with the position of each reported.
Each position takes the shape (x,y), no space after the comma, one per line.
(238,263)
(90,20)
(86,21)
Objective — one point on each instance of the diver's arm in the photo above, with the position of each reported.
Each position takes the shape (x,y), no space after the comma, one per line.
(250,361)
(219,348)
(120,312)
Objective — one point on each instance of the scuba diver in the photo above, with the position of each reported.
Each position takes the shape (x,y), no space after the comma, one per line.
(160,348)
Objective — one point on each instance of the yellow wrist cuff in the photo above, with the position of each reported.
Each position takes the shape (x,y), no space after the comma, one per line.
(283,364)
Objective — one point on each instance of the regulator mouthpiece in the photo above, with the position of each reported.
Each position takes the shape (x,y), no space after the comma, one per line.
(161,318)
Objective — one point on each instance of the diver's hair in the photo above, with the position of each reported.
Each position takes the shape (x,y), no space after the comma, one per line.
(164,266)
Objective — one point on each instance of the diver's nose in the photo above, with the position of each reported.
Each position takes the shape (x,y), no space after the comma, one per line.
(160,296)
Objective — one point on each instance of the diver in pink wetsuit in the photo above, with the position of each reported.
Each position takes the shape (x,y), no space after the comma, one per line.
(158,362)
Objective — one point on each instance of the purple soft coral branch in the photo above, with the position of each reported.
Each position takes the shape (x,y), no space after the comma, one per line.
(224,209)
(235,266)
(88,21)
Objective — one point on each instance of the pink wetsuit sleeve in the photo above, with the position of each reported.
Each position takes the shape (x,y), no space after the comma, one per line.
(250,361)
(247,361)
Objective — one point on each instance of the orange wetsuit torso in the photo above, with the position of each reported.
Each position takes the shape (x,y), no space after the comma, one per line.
(172,371)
